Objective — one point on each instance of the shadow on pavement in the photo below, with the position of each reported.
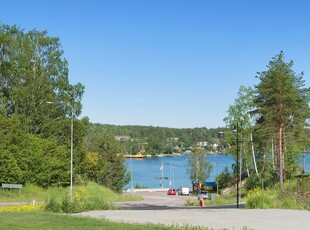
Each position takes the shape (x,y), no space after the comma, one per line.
(164,207)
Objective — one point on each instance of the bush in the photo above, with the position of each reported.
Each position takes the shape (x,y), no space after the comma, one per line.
(258,198)
(52,205)
(77,205)
(68,206)
(253,182)
(290,203)
(225,179)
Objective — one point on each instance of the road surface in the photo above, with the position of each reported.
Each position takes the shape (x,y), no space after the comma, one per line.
(157,207)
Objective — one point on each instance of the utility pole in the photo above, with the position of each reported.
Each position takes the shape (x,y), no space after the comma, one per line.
(237,169)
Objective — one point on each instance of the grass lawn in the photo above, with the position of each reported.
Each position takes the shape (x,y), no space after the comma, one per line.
(31,192)
(45,220)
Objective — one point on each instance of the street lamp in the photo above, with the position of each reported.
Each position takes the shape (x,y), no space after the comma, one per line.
(238,178)
(237,130)
(71,148)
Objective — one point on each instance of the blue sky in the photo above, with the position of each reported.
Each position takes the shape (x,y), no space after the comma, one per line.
(167,63)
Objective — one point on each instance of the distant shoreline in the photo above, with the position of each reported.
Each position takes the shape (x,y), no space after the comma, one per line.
(181,154)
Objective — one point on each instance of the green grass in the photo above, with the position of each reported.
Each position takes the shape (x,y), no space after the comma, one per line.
(46,221)
(31,192)
(294,195)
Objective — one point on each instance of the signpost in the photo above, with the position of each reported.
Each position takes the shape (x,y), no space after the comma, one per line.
(161,178)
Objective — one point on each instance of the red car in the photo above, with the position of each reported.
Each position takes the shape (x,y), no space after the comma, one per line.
(172,191)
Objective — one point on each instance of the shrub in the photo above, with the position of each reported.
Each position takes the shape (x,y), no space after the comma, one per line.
(52,205)
(258,198)
(77,204)
(253,182)
(68,205)
(225,179)
(290,203)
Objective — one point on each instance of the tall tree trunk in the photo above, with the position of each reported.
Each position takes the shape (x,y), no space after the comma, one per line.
(272,153)
(280,147)
(253,155)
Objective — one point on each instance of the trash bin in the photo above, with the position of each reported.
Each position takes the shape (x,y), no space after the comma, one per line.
(213,197)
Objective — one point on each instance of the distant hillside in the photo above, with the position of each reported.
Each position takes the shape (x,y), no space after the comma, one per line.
(159,139)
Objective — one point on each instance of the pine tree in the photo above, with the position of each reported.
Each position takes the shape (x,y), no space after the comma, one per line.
(112,171)
(282,105)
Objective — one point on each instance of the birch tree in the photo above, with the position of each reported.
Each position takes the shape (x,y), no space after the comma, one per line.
(241,113)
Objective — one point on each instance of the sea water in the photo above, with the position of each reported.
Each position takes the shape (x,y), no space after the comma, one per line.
(147,172)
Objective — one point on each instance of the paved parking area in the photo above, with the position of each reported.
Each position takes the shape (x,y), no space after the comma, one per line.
(157,207)
(156,200)
(213,218)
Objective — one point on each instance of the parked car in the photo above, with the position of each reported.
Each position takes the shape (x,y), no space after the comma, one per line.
(203,194)
(172,191)
(183,191)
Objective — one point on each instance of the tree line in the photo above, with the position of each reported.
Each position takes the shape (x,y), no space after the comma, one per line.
(160,140)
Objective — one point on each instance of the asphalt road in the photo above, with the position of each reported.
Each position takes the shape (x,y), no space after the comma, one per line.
(157,207)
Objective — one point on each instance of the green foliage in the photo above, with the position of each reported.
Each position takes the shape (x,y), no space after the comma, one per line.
(35,135)
(253,182)
(156,137)
(85,198)
(52,205)
(111,168)
(21,161)
(290,203)
(225,179)
(34,72)
(271,121)
(75,206)
(258,198)
(200,168)
(155,146)
(78,203)
(294,195)
(282,102)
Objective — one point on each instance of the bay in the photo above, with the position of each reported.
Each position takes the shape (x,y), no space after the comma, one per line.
(145,172)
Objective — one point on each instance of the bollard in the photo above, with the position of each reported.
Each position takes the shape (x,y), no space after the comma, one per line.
(202,203)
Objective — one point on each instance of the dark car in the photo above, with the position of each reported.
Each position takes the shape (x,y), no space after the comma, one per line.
(172,191)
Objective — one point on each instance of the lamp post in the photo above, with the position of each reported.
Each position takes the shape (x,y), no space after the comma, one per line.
(217,176)
(71,155)
(237,169)
(71,148)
